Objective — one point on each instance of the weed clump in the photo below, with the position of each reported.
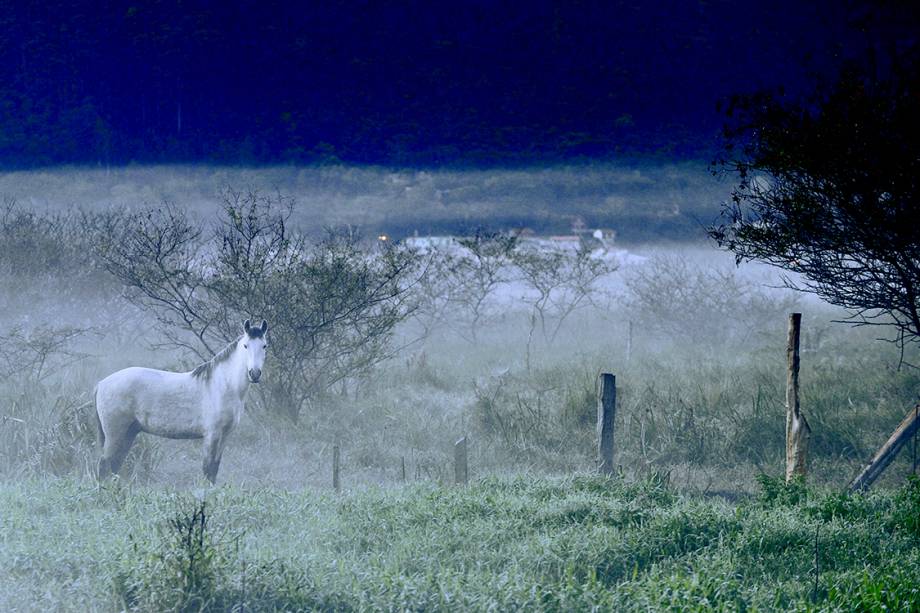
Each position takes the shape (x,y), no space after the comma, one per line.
(905,516)
(181,572)
(776,492)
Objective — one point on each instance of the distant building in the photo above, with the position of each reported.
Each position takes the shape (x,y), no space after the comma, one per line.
(603,234)
(570,242)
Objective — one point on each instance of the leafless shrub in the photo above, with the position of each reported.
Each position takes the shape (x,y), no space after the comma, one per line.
(437,293)
(561,282)
(702,306)
(332,306)
(46,268)
(479,271)
(32,355)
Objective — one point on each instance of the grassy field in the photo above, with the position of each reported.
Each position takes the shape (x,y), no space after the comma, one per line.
(694,520)
(531,543)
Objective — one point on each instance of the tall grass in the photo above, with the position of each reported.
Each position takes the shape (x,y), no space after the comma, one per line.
(700,390)
(712,416)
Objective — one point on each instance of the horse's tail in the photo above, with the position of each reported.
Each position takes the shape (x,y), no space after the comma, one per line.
(100,433)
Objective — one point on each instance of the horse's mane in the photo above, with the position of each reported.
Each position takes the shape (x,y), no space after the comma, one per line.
(204,370)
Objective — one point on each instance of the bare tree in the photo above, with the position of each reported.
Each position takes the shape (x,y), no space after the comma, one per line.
(562,281)
(158,255)
(437,291)
(33,355)
(332,305)
(479,272)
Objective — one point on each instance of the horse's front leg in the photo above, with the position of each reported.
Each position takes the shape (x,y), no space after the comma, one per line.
(213,448)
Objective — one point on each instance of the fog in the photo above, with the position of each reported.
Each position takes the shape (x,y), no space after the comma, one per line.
(383,356)
(642,202)
(689,334)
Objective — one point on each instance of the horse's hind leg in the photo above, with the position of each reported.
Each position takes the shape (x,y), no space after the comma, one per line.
(213,449)
(104,468)
(117,446)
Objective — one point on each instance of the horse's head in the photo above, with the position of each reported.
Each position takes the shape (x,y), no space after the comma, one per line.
(254,343)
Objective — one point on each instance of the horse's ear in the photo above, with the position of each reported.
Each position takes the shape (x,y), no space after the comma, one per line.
(246,326)
(264,326)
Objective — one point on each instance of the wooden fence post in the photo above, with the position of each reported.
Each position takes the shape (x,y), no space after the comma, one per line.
(335,468)
(883,457)
(606,412)
(461,468)
(797,430)
(402,468)
(629,341)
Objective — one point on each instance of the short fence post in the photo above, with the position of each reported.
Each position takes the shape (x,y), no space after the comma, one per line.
(335,468)
(402,468)
(629,341)
(461,469)
(606,412)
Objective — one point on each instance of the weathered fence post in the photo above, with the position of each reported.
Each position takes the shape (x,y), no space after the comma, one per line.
(884,456)
(914,439)
(402,468)
(335,468)
(461,469)
(606,412)
(797,429)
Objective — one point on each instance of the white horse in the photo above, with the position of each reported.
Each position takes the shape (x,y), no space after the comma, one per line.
(205,403)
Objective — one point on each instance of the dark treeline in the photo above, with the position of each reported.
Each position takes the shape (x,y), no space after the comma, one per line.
(406,83)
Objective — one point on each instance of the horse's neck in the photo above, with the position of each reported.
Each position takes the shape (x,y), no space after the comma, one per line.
(230,376)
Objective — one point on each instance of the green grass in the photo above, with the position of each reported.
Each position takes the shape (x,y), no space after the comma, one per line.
(578,543)
(686,528)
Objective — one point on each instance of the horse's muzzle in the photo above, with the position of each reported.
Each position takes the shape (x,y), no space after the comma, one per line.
(255,374)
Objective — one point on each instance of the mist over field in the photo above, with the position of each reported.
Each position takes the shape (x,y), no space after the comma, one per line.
(543,306)
(465,354)
(642,201)
(495,330)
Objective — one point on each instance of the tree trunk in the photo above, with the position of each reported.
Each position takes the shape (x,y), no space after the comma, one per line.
(797,430)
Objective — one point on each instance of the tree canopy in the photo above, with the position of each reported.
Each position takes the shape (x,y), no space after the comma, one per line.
(827,188)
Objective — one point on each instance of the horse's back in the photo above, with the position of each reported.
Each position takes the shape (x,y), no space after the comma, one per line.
(161,402)
(137,379)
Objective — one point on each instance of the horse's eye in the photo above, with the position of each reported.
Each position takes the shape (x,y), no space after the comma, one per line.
(245,345)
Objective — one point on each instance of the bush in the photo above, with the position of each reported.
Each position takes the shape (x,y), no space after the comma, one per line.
(703,306)
(181,572)
(47,271)
(332,306)
(775,492)
(545,414)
